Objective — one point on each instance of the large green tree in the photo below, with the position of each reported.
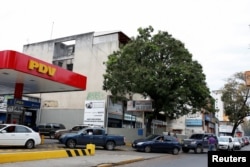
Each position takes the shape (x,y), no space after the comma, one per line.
(235,95)
(158,66)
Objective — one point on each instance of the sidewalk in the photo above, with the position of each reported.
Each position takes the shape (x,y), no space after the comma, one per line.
(100,159)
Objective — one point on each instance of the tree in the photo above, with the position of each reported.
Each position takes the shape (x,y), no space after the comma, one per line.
(158,66)
(235,96)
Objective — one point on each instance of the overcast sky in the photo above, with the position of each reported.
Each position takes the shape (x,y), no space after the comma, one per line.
(216,32)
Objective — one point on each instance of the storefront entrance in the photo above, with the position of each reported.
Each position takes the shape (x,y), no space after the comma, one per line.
(22,112)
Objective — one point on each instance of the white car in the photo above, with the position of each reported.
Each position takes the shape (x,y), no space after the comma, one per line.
(237,144)
(18,135)
(225,143)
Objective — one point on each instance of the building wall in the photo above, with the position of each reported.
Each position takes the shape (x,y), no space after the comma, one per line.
(89,55)
(67,117)
(225,127)
(218,104)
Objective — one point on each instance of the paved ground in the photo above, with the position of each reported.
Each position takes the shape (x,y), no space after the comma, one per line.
(101,158)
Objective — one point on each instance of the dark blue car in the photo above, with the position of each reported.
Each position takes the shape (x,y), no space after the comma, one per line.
(163,143)
(148,138)
(96,136)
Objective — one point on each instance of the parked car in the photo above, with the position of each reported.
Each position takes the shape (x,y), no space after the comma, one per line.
(49,129)
(246,140)
(148,138)
(18,135)
(74,129)
(242,141)
(226,143)
(197,142)
(92,135)
(162,143)
(237,143)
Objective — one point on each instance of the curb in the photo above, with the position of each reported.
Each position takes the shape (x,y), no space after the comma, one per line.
(121,162)
(29,156)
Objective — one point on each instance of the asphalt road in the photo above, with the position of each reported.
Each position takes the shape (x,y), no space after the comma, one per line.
(122,156)
(183,159)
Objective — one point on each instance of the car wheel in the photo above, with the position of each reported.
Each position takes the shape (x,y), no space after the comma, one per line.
(71,143)
(110,145)
(185,150)
(30,144)
(147,149)
(175,151)
(198,150)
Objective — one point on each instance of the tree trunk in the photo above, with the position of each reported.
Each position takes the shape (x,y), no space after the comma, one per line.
(234,129)
(236,124)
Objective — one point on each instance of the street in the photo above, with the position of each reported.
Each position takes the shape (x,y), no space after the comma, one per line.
(188,160)
(123,156)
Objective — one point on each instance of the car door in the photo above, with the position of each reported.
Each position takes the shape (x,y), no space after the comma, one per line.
(7,136)
(205,141)
(168,143)
(98,137)
(85,137)
(22,134)
(158,144)
(231,144)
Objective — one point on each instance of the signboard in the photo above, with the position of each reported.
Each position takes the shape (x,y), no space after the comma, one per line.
(193,122)
(94,113)
(194,115)
(139,105)
(115,109)
(23,103)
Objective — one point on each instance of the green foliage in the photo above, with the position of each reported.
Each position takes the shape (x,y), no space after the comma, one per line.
(235,97)
(158,66)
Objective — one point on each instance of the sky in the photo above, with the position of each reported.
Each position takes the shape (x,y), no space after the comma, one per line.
(216,32)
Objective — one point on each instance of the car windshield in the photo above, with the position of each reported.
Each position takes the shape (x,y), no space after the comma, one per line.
(223,139)
(236,140)
(196,136)
(150,137)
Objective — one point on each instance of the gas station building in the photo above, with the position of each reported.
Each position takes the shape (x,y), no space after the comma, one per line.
(51,76)
(22,75)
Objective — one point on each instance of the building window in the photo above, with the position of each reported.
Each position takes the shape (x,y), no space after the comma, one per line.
(60,64)
(70,67)
(64,54)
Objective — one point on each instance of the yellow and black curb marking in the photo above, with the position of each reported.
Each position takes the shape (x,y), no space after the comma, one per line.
(28,156)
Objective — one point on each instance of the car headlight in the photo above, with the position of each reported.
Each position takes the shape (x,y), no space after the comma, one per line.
(62,136)
(193,142)
(140,143)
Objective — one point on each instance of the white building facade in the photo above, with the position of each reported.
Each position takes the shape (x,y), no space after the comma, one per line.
(84,54)
(225,126)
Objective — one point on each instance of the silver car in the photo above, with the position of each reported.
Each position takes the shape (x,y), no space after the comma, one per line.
(237,143)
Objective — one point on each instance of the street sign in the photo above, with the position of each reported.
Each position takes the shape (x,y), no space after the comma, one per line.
(139,105)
